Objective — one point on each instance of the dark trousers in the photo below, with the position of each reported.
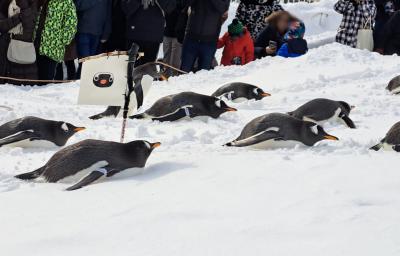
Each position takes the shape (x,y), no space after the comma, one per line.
(70,68)
(150,50)
(47,68)
(202,51)
(87,45)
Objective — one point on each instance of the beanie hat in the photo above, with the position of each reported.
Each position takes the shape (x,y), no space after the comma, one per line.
(296,30)
(235,28)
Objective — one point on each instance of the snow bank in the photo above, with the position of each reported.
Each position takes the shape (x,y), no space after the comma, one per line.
(198,198)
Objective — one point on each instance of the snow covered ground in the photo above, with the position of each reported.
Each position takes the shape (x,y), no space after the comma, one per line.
(196,197)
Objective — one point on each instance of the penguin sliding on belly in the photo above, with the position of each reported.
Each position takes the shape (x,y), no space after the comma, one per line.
(95,158)
(33,131)
(279,130)
(239,92)
(148,72)
(324,110)
(391,142)
(185,104)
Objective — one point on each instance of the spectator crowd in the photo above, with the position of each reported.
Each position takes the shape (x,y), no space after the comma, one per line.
(42,39)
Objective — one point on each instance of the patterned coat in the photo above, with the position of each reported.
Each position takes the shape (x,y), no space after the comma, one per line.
(252,14)
(59,29)
(354,16)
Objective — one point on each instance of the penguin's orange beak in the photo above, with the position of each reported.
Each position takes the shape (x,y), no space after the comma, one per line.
(78,129)
(265,94)
(155,145)
(330,137)
(163,78)
(229,109)
(103,81)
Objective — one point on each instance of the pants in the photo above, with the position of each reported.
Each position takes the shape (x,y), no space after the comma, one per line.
(202,51)
(87,44)
(172,53)
(47,68)
(70,68)
(150,50)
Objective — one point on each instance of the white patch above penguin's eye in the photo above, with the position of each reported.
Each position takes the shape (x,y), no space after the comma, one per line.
(255,91)
(314,129)
(147,145)
(218,103)
(64,126)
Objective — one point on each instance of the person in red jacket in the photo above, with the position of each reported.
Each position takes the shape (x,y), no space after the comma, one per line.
(238,45)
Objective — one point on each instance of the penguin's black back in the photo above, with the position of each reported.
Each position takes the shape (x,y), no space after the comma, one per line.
(318,109)
(393,135)
(171,103)
(26,123)
(289,127)
(241,90)
(72,159)
(394,84)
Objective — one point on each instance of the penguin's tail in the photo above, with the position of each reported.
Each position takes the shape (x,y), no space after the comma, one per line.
(377,147)
(30,175)
(138,116)
(229,144)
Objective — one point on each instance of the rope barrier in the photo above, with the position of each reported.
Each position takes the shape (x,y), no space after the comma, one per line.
(71,81)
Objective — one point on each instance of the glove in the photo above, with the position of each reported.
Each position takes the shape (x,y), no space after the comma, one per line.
(23,4)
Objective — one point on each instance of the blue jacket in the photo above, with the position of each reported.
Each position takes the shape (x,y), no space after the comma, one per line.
(293,48)
(94,17)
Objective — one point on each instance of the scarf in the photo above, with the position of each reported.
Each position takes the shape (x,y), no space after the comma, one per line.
(147,3)
(13,10)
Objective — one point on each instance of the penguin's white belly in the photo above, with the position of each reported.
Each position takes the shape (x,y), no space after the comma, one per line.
(396,90)
(387,147)
(33,144)
(240,100)
(276,144)
(83,173)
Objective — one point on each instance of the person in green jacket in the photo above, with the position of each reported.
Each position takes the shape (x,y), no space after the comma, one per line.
(56,28)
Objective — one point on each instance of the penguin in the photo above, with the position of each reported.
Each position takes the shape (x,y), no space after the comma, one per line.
(92,159)
(142,76)
(279,130)
(239,92)
(394,85)
(324,110)
(36,132)
(391,142)
(185,104)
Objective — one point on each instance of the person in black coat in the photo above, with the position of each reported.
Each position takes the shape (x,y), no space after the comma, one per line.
(204,26)
(385,10)
(271,37)
(145,24)
(391,36)
(117,39)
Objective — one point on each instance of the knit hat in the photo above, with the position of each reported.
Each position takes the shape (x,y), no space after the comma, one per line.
(296,30)
(235,28)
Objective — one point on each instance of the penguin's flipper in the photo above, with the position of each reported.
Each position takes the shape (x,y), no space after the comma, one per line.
(348,121)
(89,179)
(30,175)
(25,135)
(110,111)
(186,111)
(260,137)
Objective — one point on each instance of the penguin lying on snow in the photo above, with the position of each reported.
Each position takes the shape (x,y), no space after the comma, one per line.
(279,130)
(141,90)
(33,131)
(185,104)
(95,157)
(240,92)
(391,141)
(324,110)
(394,85)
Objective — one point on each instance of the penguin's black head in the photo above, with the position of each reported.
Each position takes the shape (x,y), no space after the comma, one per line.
(151,70)
(142,150)
(316,133)
(258,93)
(103,80)
(346,106)
(63,131)
(217,107)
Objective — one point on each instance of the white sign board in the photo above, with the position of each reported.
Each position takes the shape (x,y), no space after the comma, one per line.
(103,81)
